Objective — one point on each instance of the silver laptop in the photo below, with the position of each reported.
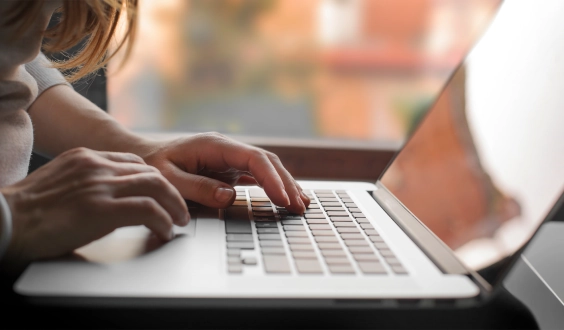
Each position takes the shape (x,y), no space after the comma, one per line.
(446,219)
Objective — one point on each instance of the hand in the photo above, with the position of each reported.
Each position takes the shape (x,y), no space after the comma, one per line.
(81,196)
(204,167)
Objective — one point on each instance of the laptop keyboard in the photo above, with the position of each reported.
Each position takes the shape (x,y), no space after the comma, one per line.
(332,237)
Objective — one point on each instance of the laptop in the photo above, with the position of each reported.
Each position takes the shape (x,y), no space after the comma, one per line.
(444,222)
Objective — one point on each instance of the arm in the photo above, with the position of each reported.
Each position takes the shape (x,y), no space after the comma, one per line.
(203,167)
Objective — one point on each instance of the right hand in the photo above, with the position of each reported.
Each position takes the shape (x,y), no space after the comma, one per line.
(83,195)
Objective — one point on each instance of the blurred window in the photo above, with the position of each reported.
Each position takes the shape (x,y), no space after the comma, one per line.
(359,70)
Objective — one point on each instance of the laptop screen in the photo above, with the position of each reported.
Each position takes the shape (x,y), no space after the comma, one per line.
(486,164)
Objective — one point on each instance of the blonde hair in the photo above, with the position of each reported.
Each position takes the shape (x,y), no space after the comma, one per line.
(94,21)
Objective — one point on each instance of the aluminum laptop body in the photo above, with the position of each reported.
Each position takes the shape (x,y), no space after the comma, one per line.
(446,220)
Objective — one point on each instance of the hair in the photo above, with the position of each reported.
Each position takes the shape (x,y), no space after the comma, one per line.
(93,22)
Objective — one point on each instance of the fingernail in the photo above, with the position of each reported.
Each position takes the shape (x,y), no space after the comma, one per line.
(171,234)
(223,195)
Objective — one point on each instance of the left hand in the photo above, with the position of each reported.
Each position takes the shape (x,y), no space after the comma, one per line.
(205,167)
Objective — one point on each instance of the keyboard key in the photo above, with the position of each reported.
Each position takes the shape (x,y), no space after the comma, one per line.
(352,236)
(237,220)
(333,253)
(263,213)
(241,199)
(297,254)
(266,225)
(366,226)
(362,220)
(233,260)
(326,239)
(317,221)
(337,261)
(392,260)
(292,222)
(358,215)
(264,219)
(296,234)
(262,209)
(356,243)
(398,269)
(240,203)
(323,233)
(235,268)
(260,199)
(323,191)
(234,253)
(372,267)
(241,245)
(341,219)
(349,205)
(381,245)
(353,230)
(301,247)
(308,266)
(360,250)
(386,253)
(371,232)
(347,200)
(313,211)
(329,195)
(269,237)
(271,244)
(276,264)
(328,199)
(261,204)
(268,230)
(239,237)
(314,216)
(290,217)
(334,208)
(365,257)
(330,204)
(337,214)
(329,246)
(298,240)
(313,206)
(273,250)
(344,224)
(355,210)
(341,269)
(294,228)
(250,261)
(376,239)
(319,227)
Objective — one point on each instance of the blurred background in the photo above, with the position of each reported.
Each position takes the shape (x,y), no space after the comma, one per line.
(356,70)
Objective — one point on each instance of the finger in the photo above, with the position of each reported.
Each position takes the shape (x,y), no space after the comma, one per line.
(200,189)
(138,210)
(253,160)
(293,190)
(247,180)
(121,169)
(157,187)
(120,157)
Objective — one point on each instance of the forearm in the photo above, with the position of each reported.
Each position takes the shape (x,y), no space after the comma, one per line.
(63,119)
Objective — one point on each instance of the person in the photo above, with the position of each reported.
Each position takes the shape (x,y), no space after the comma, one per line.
(102,176)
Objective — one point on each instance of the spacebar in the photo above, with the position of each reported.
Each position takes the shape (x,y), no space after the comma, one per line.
(237,220)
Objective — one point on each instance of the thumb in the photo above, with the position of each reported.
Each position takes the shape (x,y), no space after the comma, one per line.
(201,189)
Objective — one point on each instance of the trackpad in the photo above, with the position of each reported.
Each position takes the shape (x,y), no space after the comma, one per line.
(129,243)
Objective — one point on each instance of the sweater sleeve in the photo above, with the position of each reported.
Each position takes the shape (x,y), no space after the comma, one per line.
(46,76)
